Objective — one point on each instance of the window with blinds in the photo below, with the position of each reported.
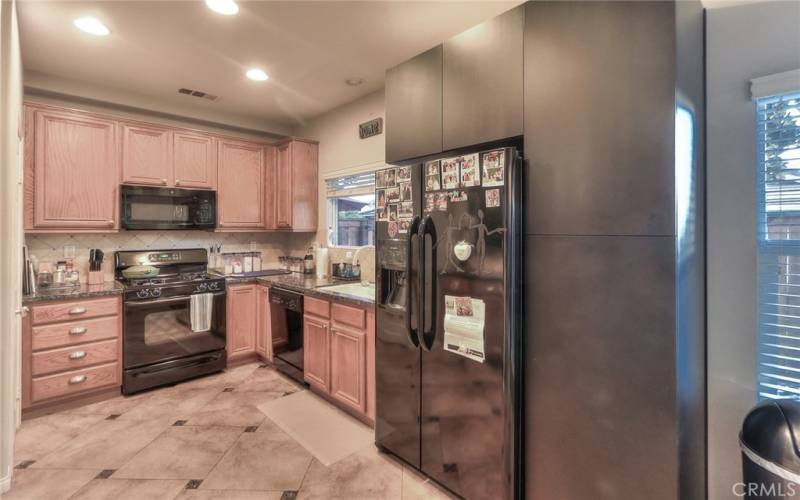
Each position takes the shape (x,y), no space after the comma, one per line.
(778,129)
(351,210)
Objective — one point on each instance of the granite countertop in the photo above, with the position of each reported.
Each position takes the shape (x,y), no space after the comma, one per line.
(315,287)
(81,292)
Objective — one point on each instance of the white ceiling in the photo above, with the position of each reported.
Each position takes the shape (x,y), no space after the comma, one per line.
(309,49)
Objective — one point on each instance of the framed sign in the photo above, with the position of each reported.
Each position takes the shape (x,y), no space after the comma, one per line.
(370,128)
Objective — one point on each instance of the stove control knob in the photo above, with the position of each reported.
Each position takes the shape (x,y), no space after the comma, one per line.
(213,286)
(156,292)
(143,293)
(202,287)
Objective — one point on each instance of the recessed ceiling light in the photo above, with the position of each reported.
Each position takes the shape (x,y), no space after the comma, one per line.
(91,25)
(257,74)
(224,7)
(354,82)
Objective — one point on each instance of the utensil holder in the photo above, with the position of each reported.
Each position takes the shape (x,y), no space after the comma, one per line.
(95,278)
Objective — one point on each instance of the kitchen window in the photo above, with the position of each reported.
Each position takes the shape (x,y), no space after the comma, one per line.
(351,210)
(778,184)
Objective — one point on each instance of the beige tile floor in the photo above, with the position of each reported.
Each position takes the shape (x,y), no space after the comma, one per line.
(201,440)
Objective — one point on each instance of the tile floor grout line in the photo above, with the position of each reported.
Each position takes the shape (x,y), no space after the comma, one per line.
(223,454)
(305,474)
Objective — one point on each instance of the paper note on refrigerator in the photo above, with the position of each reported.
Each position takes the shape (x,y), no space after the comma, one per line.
(464,321)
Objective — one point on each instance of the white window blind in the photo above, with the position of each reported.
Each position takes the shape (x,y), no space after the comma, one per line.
(350,185)
(778,146)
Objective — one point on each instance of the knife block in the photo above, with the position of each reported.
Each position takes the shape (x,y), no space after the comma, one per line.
(95,278)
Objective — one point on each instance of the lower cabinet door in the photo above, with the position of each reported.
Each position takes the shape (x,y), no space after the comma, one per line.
(348,367)
(241,320)
(316,352)
(263,330)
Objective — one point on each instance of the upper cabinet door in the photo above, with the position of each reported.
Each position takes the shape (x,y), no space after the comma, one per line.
(146,155)
(414,107)
(283,186)
(194,160)
(305,189)
(482,82)
(240,181)
(75,170)
(270,186)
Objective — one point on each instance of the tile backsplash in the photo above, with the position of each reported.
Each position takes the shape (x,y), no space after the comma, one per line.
(50,247)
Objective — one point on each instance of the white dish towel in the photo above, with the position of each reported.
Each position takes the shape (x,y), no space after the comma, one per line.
(200,309)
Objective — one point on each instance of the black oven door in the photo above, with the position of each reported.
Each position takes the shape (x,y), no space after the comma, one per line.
(167,208)
(158,330)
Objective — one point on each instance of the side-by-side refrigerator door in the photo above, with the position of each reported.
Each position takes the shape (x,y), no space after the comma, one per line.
(463,412)
(397,363)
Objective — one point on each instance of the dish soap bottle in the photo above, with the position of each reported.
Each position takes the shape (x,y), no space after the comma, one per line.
(308,261)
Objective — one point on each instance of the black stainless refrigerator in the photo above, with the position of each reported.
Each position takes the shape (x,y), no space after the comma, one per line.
(449,348)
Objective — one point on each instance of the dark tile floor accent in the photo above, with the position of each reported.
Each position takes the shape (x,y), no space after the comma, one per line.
(227,389)
(113,416)
(251,428)
(193,484)
(450,467)
(179,423)
(25,464)
(289,495)
(105,474)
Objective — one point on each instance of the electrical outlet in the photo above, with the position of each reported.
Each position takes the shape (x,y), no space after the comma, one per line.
(69,251)
(252,246)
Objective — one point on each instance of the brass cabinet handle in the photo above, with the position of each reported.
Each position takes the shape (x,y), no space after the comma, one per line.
(177,182)
(77,310)
(77,355)
(164,182)
(78,379)
(78,330)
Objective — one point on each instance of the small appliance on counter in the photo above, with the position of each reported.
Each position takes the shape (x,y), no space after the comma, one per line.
(346,271)
(239,263)
(293,264)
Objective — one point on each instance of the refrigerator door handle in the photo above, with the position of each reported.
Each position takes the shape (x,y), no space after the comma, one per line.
(413,334)
(427,302)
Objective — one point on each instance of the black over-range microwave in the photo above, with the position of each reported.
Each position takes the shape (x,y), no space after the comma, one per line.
(167,208)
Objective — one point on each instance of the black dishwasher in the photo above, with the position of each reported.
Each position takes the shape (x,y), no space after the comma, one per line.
(286,308)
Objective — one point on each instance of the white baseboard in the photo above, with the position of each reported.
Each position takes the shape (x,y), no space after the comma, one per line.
(5,483)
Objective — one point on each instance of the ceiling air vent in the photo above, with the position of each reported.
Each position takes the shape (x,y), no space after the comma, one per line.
(198,93)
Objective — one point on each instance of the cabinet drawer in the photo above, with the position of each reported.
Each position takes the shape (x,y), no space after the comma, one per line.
(70,311)
(347,315)
(74,382)
(72,358)
(74,332)
(317,307)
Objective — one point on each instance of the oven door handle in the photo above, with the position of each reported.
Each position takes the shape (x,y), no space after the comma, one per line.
(170,300)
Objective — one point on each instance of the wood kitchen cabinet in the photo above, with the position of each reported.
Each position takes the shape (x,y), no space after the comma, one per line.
(264,323)
(241,321)
(240,184)
(146,155)
(414,107)
(339,354)
(316,352)
(296,187)
(71,171)
(349,367)
(483,67)
(71,351)
(194,160)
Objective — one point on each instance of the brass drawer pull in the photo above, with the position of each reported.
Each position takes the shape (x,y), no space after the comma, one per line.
(77,310)
(78,330)
(78,379)
(77,355)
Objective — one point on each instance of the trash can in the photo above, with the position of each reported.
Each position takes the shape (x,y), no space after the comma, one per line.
(770,443)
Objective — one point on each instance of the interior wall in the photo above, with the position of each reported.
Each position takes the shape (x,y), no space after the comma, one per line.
(10,232)
(743,42)
(341,151)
